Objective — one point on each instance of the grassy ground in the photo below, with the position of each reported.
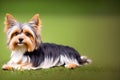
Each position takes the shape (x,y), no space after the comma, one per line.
(92,34)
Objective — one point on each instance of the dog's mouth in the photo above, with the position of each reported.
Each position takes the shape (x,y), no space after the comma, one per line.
(20,44)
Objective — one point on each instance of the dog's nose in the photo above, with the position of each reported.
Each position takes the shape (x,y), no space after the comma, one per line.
(20,39)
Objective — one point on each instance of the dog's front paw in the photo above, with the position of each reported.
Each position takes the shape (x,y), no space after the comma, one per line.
(7,67)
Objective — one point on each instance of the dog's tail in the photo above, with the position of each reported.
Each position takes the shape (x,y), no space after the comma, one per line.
(85,60)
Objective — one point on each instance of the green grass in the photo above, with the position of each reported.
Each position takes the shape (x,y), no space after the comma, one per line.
(94,35)
(85,73)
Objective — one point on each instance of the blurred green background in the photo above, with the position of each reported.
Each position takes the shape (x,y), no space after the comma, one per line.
(91,27)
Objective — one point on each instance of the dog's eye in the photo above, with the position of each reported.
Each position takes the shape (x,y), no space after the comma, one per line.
(16,33)
(27,34)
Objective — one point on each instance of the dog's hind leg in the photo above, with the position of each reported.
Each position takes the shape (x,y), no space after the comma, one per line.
(71,66)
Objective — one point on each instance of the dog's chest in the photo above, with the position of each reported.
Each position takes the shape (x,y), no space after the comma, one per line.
(18,57)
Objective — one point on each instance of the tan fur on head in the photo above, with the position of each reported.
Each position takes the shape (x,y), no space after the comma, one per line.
(35,20)
(29,32)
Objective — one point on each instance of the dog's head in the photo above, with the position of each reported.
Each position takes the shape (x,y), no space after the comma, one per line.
(23,35)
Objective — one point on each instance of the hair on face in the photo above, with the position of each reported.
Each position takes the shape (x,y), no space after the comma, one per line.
(30,32)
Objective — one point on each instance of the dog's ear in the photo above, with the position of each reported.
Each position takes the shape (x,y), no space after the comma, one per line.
(9,21)
(35,20)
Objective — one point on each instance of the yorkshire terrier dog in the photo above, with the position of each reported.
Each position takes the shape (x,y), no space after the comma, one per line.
(29,52)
